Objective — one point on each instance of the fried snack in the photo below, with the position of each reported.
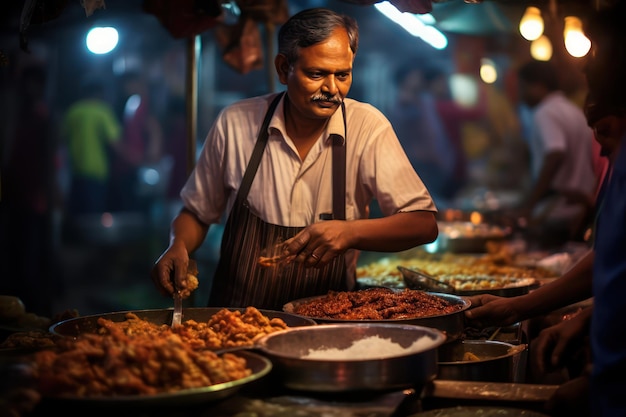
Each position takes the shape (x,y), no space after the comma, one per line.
(32,339)
(470,357)
(266,261)
(191,280)
(118,364)
(224,329)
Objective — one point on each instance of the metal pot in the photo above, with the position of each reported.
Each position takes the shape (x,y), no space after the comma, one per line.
(497,361)
(452,324)
(369,369)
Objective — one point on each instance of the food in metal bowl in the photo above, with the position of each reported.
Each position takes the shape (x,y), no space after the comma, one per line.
(385,305)
(481,360)
(353,356)
(376,304)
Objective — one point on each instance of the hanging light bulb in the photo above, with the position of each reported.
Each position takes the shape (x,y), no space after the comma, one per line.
(488,71)
(576,43)
(541,48)
(531,24)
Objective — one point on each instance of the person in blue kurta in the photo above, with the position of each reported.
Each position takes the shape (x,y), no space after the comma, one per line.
(608,323)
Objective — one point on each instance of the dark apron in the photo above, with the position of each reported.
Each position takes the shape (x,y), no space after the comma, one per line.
(239,281)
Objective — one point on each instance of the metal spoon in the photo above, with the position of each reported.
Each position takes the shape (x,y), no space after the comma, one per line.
(417,279)
(177,316)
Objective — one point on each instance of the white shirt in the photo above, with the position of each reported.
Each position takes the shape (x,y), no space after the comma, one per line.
(288,191)
(559,125)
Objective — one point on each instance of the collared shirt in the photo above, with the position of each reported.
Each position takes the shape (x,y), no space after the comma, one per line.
(288,191)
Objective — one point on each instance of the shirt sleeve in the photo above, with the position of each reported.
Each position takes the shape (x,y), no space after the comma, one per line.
(204,193)
(385,169)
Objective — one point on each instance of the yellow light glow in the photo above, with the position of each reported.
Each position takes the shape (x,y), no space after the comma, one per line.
(488,71)
(541,49)
(576,43)
(476,217)
(531,24)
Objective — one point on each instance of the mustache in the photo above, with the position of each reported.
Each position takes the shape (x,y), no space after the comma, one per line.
(328,98)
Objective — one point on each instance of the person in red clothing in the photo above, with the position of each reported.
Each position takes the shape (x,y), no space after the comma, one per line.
(142,142)
(453,117)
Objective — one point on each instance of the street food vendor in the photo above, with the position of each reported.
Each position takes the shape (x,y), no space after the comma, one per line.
(302,168)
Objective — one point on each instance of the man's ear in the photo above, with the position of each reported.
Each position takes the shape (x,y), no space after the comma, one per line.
(282,68)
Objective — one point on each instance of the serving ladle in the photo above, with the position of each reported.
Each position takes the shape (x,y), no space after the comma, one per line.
(417,279)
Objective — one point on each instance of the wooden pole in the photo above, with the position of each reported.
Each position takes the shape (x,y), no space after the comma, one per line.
(191,87)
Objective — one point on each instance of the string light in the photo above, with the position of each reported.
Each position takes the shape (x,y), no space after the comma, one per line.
(576,43)
(531,24)
(541,48)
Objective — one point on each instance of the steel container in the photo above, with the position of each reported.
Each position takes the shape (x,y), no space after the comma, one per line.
(367,370)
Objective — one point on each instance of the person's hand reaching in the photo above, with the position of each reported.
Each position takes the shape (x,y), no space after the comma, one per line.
(488,310)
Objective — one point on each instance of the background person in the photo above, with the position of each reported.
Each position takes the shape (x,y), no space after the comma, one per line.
(142,142)
(423,136)
(91,133)
(290,196)
(563,179)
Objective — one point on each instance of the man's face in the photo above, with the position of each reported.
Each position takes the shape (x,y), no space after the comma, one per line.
(608,131)
(530,93)
(320,79)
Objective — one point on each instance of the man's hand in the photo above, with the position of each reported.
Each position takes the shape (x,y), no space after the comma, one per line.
(319,243)
(169,273)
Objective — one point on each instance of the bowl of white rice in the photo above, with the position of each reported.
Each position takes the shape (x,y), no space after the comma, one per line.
(354,356)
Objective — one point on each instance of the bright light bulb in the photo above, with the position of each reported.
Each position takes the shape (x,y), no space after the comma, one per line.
(576,43)
(531,24)
(102,40)
(541,49)
(488,72)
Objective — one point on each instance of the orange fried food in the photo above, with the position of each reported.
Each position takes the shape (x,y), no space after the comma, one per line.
(116,363)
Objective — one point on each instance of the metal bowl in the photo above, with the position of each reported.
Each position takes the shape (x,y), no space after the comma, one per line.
(337,366)
(89,324)
(452,325)
(497,361)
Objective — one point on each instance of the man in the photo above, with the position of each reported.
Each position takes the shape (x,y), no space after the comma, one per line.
(92,133)
(561,155)
(289,191)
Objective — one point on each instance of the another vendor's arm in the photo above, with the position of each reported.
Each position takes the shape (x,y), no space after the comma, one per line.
(571,287)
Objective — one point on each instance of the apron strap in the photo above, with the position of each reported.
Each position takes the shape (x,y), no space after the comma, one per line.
(339,171)
(257,153)
(339,163)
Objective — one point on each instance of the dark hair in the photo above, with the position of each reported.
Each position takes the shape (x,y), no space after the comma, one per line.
(602,103)
(542,72)
(607,60)
(312,26)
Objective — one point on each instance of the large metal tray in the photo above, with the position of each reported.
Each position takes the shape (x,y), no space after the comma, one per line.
(89,324)
(516,286)
(451,324)
(259,365)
